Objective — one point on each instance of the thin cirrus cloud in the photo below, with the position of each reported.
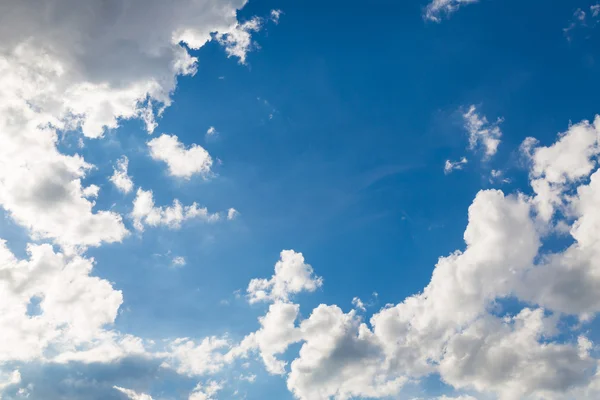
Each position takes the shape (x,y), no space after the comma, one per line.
(438,9)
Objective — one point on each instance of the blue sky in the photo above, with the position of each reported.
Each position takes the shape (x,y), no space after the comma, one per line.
(333,123)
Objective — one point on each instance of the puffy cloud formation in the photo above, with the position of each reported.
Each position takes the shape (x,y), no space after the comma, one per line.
(481,132)
(87,65)
(182,162)
(120,178)
(437,9)
(145,213)
(452,327)
(192,359)
(73,308)
(292,275)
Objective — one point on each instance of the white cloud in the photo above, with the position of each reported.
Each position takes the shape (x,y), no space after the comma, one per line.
(86,64)
(358,304)
(211,132)
(74,306)
(553,168)
(120,178)
(292,275)
(190,358)
(178,262)
(206,392)
(145,213)
(12,378)
(238,39)
(481,132)
(182,162)
(232,214)
(275,15)
(437,9)
(276,333)
(451,166)
(506,357)
(133,395)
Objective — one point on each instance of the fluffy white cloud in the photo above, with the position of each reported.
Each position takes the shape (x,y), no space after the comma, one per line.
(74,307)
(506,357)
(86,64)
(182,162)
(340,358)
(451,166)
(437,9)
(190,358)
(481,132)
(132,394)
(569,160)
(120,178)
(145,213)
(238,40)
(292,275)
(448,327)
(277,332)
(205,392)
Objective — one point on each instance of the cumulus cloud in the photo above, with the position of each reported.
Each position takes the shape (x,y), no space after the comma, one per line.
(452,327)
(481,132)
(146,213)
(120,178)
(182,162)
(190,358)
(292,275)
(438,9)
(74,307)
(88,65)
(452,166)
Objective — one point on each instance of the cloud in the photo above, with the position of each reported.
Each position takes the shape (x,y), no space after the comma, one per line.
(89,65)
(481,132)
(437,9)
(178,262)
(452,166)
(74,306)
(120,178)
(145,213)
(211,132)
(205,392)
(182,162)
(275,15)
(232,214)
(583,20)
(190,358)
(133,395)
(238,40)
(292,275)
(452,327)
(358,304)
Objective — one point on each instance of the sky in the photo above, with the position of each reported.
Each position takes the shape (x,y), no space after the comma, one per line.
(265,199)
